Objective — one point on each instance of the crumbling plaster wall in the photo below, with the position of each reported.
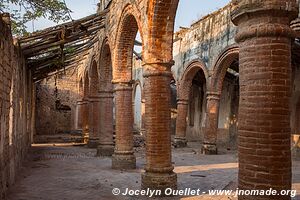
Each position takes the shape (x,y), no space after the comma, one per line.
(205,40)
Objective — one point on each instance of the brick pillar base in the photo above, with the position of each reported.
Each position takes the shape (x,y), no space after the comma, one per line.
(159,170)
(209,146)
(105,149)
(123,157)
(123,160)
(159,181)
(106,142)
(180,136)
(264,38)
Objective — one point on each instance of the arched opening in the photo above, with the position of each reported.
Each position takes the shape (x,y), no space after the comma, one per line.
(191,104)
(295,103)
(94,106)
(137,107)
(173,97)
(229,105)
(94,79)
(107,110)
(225,81)
(85,108)
(106,74)
(105,68)
(197,107)
(123,157)
(86,87)
(138,79)
(78,114)
(125,48)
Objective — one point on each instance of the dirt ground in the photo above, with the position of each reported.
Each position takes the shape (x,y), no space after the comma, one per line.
(68,172)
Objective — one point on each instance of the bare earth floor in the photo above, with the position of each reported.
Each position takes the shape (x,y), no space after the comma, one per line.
(66,172)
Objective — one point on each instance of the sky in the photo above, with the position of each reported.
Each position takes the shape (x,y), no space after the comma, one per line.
(188,11)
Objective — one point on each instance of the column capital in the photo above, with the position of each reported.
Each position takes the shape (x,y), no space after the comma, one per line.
(166,64)
(157,68)
(106,94)
(149,73)
(182,101)
(95,96)
(123,86)
(94,99)
(85,100)
(122,82)
(80,101)
(213,95)
(295,25)
(246,11)
(242,8)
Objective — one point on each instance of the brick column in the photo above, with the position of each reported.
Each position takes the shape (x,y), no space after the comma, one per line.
(94,120)
(78,119)
(159,169)
(181,123)
(264,37)
(85,120)
(123,157)
(106,142)
(209,146)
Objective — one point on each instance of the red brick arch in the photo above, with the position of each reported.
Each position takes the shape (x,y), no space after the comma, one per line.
(186,81)
(161,18)
(226,58)
(128,27)
(105,67)
(94,78)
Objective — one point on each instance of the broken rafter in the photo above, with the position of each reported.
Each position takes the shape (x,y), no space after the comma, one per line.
(80,36)
(59,47)
(55,29)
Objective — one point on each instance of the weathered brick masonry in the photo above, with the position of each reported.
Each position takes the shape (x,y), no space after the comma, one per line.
(211,71)
(56,103)
(264,37)
(16,101)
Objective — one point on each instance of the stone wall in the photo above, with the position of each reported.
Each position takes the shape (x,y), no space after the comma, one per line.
(56,99)
(15,107)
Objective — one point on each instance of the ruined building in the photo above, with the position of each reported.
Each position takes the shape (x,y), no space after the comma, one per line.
(230,82)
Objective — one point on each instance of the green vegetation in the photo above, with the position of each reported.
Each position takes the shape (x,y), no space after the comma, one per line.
(23,11)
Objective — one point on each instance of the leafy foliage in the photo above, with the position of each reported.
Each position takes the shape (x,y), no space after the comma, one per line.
(23,11)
